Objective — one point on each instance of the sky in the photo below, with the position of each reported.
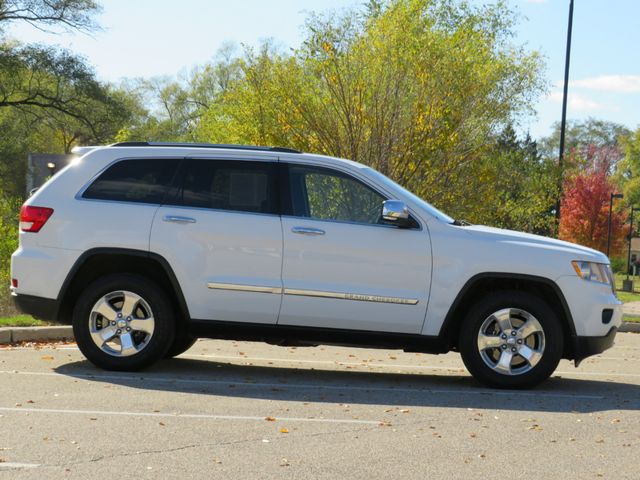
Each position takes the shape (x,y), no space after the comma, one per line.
(145,38)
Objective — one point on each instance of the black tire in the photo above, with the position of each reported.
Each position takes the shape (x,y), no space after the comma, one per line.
(180,345)
(155,344)
(550,343)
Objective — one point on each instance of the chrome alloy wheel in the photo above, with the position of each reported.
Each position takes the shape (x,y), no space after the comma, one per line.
(511,341)
(121,323)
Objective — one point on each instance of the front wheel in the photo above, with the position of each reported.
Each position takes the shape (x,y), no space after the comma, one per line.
(123,322)
(511,339)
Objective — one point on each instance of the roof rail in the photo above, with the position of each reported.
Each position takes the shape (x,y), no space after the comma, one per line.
(206,145)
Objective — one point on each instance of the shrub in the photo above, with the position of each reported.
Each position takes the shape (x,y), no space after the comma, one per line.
(9,211)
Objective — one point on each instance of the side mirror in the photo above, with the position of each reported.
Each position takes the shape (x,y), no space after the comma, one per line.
(395,212)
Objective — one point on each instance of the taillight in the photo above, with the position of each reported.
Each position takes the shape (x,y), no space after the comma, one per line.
(32,219)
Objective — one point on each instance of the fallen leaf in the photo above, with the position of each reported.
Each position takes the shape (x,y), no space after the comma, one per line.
(284,430)
(161,424)
(47,357)
(270,419)
(30,401)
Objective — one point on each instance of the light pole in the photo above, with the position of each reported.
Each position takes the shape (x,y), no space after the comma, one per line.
(627,285)
(563,121)
(613,195)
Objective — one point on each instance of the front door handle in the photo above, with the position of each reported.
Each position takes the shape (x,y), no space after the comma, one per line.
(307,231)
(178,219)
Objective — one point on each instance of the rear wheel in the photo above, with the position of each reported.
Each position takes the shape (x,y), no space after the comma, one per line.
(123,322)
(511,339)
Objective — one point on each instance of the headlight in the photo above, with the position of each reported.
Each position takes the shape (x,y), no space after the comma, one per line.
(594,272)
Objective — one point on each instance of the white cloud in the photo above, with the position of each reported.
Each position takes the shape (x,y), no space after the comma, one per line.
(610,83)
(578,102)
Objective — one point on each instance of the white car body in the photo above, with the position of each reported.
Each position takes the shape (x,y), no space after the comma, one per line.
(248,268)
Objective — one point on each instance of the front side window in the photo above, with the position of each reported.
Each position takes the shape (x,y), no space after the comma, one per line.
(137,180)
(325,194)
(227,185)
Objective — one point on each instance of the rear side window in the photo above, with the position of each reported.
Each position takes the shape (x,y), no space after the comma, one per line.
(239,185)
(144,180)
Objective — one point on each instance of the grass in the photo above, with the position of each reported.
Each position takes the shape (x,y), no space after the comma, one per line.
(627,297)
(20,321)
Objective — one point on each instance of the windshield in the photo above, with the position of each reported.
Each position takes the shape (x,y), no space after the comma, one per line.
(427,206)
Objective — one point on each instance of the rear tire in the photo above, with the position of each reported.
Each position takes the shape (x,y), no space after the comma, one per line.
(511,339)
(123,322)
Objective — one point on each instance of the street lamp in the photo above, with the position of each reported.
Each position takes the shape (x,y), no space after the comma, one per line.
(613,195)
(52,168)
(627,285)
(563,121)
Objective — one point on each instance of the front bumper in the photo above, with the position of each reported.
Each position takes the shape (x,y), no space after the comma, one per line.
(38,307)
(584,347)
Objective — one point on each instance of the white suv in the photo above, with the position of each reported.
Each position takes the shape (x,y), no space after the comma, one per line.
(145,247)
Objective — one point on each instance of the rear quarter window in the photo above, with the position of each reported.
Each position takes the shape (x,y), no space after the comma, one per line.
(138,180)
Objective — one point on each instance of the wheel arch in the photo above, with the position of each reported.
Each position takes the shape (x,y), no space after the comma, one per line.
(98,262)
(488,282)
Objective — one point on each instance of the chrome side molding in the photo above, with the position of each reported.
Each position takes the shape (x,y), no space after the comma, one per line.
(243,288)
(351,296)
(312,293)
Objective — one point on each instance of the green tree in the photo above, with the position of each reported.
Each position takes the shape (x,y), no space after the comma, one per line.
(414,88)
(629,168)
(591,144)
(520,191)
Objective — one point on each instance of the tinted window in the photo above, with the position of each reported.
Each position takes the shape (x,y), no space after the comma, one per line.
(144,180)
(330,195)
(228,185)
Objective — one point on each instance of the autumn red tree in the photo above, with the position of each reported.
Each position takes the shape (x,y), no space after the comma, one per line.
(585,213)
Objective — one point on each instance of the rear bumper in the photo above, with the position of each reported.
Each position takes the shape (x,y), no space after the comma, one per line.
(584,347)
(38,307)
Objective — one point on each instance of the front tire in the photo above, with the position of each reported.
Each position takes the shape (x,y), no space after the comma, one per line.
(511,339)
(181,344)
(123,322)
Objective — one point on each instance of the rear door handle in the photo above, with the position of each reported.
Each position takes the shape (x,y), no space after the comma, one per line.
(178,219)
(307,231)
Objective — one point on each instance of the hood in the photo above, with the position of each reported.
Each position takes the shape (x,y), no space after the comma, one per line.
(537,241)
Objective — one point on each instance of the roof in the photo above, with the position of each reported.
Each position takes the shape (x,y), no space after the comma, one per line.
(206,145)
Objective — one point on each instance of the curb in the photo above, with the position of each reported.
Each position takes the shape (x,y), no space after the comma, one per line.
(35,334)
(630,327)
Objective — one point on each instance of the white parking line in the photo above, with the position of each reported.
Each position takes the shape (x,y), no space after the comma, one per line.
(15,465)
(304,386)
(200,416)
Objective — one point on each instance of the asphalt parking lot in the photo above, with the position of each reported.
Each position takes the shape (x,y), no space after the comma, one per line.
(251,411)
